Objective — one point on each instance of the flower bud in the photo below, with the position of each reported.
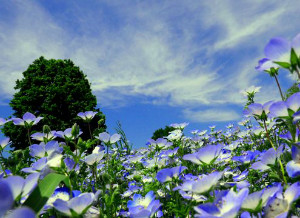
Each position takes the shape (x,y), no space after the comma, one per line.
(46,129)
(75,130)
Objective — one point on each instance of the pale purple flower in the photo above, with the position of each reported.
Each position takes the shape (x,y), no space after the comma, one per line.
(21,212)
(280,204)
(296,117)
(4,142)
(267,158)
(28,119)
(205,155)
(6,197)
(78,204)
(293,102)
(106,138)
(143,206)
(62,193)
(42,150)
(167,174)
(67,134)
(95,157)
(265,64)
(87,116)
(256,200)
(70,163)
(160,143)
(3,121)
(21,187)
(293,166)
(202,185)
(256,109)
(39,136)
(279,109)
(278,49)
(226,205)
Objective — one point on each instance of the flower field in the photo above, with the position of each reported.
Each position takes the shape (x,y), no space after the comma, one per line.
(249,169)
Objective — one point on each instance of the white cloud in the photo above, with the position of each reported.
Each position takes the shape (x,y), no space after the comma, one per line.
(176,53)
(212,114)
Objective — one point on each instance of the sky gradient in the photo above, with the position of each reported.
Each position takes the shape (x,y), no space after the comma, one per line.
(151,63)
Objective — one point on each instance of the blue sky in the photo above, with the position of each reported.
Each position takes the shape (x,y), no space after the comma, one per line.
(151,63)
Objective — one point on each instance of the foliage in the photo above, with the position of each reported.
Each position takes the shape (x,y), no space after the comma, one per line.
(56,90)
(162,132)
(293,89)
(124,143)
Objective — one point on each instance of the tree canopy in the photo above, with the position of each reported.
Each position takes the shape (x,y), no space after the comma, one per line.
(56,90)
(160,133)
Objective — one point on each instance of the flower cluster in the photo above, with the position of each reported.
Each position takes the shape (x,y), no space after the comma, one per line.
(245,170)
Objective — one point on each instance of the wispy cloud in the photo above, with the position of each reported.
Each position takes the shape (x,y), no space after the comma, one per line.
(209,115)
(177,53)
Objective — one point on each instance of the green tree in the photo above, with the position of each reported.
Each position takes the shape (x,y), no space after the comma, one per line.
(56,90)
(160,133)
(293,89)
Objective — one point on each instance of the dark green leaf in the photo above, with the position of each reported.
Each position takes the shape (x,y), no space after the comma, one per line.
(40,195)
(283,64)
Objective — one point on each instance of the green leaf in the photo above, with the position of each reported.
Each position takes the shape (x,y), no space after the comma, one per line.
(283,64)
(40,195)
(294,58)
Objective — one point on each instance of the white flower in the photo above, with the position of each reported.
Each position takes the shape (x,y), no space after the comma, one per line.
(251,89)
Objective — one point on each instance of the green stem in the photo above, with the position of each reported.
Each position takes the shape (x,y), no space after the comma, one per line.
(2,165)
(71,189)
(280,163)
(276,79)
(28,134)
(90,130)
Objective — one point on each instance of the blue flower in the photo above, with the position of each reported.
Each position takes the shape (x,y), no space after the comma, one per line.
(278,49)
(293,166)
(62,193)
(69,162)
(205,155)
(3,121)
(227,204)
(279,205)
(269,157)
(106,138)
(43,150)
(87,116)
(95,157)
(281,108)
(167,174)
(28,120)
(67,134)
(160,143)
(16,188)
(296,117)
(6,198)
(143,206)
(202,185)
(39,136)
(256,109)
(257,200)
(4,142)
(77,205)
(266,64)
(21,212)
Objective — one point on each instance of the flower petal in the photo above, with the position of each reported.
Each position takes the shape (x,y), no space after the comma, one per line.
(278,49)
